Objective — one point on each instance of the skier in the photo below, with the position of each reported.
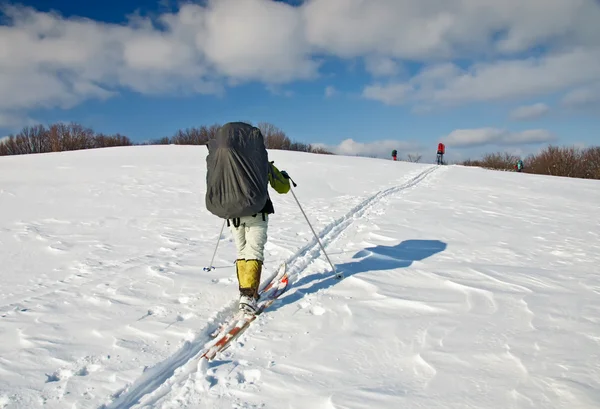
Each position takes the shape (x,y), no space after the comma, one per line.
(519,166)
(238,175)
(394,154)
(440,153)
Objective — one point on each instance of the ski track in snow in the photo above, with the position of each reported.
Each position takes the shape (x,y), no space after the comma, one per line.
(175,374)
(464,331)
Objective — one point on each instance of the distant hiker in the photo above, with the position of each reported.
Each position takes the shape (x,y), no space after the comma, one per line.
(519,166)
(237,178)
(440,153)
(394,154)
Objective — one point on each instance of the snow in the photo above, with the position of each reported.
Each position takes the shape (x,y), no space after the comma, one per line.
(462,288)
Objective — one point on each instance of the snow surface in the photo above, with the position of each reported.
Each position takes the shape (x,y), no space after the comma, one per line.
(463,288)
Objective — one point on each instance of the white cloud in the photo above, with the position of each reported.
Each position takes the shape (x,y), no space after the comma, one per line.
(528,112)
(583,97)
(392,94)
(330,91)
(50,61)
(523,78)
(501,80)
(379,149)
(256,39)
(432,29)
(381,66)
(47,60)
(11,120)
(468,138)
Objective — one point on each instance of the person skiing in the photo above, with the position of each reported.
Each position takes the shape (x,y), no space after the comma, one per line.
(238,175)
(519,166)
(440,153)
(394,154)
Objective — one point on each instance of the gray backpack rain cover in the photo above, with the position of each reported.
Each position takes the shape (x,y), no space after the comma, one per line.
(237,171)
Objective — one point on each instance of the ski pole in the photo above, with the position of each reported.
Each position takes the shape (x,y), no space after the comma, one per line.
(338,275)
(210,267)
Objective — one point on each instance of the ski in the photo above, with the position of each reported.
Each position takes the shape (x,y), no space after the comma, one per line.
(223,341)
(265,288)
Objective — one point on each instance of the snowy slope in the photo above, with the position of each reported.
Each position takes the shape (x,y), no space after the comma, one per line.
(463,288)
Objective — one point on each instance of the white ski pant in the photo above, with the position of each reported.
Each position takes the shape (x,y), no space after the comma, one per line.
(250,237)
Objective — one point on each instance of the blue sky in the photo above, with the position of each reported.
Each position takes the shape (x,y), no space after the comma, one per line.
(360,77)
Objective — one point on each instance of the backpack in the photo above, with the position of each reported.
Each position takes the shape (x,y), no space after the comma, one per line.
(237,171)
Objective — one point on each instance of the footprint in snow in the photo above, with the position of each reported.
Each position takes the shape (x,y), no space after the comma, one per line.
(314,310)
(59,247)
(181,318)
(65,373)
(249,376)
(156,311)
(60,375)
(184,300)
(226,281)
(303,304)
(159,271)
(317,310)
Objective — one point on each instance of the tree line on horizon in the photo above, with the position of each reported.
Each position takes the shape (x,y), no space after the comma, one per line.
(568,161)
(61,137)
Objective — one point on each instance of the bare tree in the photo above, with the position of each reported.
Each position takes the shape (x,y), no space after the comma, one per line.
(554,160)
(591,161)
(65,137)
(190,136)
(500,161)
(212,131)
(558,161)
(8,146)
(70,137)
(275,138)
(165,140)
(320,150)
(80,137)
(106,141)
(37,139)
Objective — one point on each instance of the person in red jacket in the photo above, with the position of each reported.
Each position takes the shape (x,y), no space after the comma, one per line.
(440,153)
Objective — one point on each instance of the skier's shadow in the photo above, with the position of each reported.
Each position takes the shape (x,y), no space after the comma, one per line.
(370,259)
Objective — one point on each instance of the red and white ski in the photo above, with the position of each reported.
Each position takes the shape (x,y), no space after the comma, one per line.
(266,287)
(242,321)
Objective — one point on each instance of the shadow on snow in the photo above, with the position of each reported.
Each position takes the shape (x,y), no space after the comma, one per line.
(370,259)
